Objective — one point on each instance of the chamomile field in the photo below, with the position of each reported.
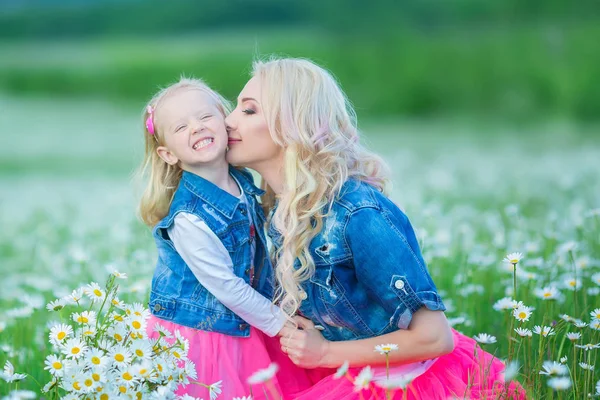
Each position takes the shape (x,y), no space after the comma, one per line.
(475,192)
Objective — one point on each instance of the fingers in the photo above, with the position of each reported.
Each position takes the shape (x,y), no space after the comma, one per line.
(303,322)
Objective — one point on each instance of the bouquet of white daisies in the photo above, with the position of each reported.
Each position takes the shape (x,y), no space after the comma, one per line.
(103,351)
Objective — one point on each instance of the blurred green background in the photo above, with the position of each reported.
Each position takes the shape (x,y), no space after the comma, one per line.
(503,59)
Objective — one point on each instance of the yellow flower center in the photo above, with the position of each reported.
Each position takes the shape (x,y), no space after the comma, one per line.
(143,371)
(514,261)
(138,395)
(96,377)
(159,367)
(76,385)
(118,337)
(522,315)
(547,294)
(104,396)
(136,324)
(88,333)
(97,292)
(88,382)
(598,316)
(115,302)
(139,314)
(61,335)
(176,354)
(96,360)
(57,365)
(83,320)
(572,283)
(75,350)
(127,376)
(118,318)
(119,357)
(122,389)
(139,353)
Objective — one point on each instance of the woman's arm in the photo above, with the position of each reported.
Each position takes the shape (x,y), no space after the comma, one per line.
(428,336)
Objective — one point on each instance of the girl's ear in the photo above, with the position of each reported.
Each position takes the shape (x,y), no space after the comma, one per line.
(166,155)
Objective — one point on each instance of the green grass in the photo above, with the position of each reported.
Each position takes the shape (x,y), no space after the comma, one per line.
(68,211)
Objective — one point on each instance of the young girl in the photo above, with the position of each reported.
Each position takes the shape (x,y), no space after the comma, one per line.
(213,279)
(348,260)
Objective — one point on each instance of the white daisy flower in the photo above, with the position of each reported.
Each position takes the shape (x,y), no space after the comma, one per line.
(573,336)
(120,275)
(484,338)
(563,360)
(513,258)
(96,358)
(598,388)
(593,291)
(595,325)
(552,368)
(544,331)
(595,314)
(263,375)
(120,356)
(522,313)
(74,348)
(342,370)
(55,365)
(60,332)
(88,384)
(580,324)
(363,379)
(567,318)
(547,293)
(505,303)
(86,317)
(386,348)
(136,324)
(596,278)
(572,284)
(511,371)
(141,349)
(127,376)
(75,297)
(120,304)
(8,373)
(562,383)
(398,382)
(162,331)
(86,331)
(587,347)
(524,332)
(118,333)
(586,366)
(95,292)
(214,390)
(56,305)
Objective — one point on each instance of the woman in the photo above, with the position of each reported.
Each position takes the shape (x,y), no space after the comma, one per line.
(349,268)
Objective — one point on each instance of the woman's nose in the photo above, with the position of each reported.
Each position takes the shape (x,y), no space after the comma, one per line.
(229,122)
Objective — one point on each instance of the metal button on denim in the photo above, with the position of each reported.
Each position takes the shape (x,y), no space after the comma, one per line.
(399,284)
(157,307)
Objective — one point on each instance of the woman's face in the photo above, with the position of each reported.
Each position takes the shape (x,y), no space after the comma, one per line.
(250,142)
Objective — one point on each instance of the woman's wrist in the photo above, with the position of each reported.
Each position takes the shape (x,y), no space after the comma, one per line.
(327,356)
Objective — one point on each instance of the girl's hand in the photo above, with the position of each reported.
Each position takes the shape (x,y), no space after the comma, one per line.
(306,347)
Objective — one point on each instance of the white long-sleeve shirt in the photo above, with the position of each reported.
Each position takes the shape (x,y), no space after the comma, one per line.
(211,263)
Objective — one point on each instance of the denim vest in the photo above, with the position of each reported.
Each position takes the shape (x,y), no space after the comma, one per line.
(370,276)
(176,295)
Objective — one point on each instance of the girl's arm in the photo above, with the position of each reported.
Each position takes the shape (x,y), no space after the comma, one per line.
(211,264)
(428,336)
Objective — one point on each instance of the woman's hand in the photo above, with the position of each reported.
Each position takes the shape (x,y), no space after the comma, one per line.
(306,347)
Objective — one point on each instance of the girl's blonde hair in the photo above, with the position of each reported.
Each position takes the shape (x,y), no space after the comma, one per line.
(309,115)
(162,178)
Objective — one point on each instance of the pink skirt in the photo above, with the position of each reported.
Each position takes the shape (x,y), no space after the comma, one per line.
(468,372)
(231,359)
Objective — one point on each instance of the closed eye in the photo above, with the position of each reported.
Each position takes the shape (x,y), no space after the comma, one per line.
(180,128)
(205,117)
(249,111)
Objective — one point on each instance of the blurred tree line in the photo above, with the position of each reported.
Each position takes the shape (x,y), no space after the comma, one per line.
(507,58)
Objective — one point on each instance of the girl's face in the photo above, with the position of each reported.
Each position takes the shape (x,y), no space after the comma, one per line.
(250,142)
(193,130)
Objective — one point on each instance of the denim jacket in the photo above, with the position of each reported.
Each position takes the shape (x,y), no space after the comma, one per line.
(370,276)
(176,295)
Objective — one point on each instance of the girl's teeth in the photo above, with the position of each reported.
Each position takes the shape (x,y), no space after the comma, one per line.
(203,143)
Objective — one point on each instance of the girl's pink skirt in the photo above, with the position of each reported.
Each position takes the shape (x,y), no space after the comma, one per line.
(231,359)
(466,373)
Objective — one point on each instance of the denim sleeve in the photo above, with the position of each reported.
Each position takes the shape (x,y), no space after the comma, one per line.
(389,264)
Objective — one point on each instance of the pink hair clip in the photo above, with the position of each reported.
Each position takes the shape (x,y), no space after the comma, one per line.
(149,121)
